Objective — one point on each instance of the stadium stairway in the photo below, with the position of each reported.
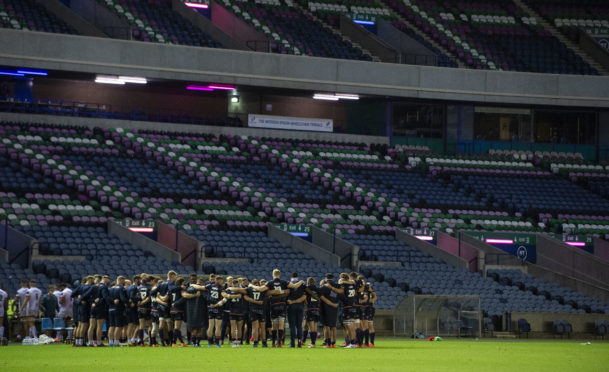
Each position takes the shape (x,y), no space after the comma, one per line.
(559,35)
(393,6)
(335,31)
(63,12)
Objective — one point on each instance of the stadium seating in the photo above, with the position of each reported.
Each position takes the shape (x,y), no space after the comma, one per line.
(420,273)
(155,21)
(293,31)
(491,35)
(62,184)
(569,17)
(562,327)
(27,15)
(103,253)
(524,327)
(12,274)
(551,291)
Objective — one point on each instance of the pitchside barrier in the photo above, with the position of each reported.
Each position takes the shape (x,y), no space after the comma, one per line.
(429,315)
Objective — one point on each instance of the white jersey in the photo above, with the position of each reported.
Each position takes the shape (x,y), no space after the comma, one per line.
(65,308)
(3,297)
(22,294)
(35,298)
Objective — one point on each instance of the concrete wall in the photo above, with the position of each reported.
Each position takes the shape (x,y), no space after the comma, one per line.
(303,246)
(400,41)
(190,249)
(152,98)
(19,245)
(102,18)
(465,251)
(589,45)
(601,249)
(431,249)
(367,40)
(564,259)
(234,27)
(542,322)
(206,25)
(70,17)
(347,252)
(119,57)
(173,127)
(143,242)
(3,255)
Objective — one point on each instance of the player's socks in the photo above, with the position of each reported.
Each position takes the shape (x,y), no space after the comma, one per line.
(1,333)
(33,332)
(280,336)
(366,337)
(313,337)
(358,336)
(274,336)
(372,337)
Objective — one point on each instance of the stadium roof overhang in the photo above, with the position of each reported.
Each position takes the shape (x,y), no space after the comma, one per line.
(81,54)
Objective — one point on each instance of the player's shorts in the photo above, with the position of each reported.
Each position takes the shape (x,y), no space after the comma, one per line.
(64,313)
(350,313)
(365,313)
(154,316)
(131,313)
(84,313)
(98,311)
(143,313)
(330,316)
(322,313)
(214,313)
(116,319)
(163,311)
(256,316)
(312,315)
(278,312)
(236,316)
(177,315)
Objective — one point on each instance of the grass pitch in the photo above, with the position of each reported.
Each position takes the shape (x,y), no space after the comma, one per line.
(389,355)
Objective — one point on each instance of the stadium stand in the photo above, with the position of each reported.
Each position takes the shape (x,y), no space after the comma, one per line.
(155,21)
(492,35)
(570,17)
(293,30)
(26,15)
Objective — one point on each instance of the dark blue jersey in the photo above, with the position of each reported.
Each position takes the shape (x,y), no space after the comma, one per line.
(312,302)
(257,296)
(175,297)
(235,305)
(143,292)
(276,285)
(132,295)
(117,293)
(214,293)
(350,297)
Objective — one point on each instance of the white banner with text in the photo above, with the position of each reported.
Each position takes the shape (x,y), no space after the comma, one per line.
(290,123)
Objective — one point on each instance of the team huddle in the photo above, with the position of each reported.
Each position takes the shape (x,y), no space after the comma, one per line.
(153,309)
